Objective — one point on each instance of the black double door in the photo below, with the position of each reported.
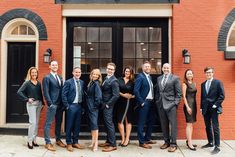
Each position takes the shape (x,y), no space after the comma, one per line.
(21,56)
(93,42)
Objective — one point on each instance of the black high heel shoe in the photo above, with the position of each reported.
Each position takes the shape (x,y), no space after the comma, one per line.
(35,144)
(30,146)
(194,145)
(123,145)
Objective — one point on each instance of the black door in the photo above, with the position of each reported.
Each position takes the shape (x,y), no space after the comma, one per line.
(21,56)
(93,42)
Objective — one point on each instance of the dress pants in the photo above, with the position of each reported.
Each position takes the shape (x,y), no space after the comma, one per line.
(211,118)
(34,110)
(58,122)
(169,117)
(110,129)
(73,120)
(145,117)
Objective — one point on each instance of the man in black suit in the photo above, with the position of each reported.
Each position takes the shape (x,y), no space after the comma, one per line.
(168,95)
(212,96)
(110,94)
(52,87)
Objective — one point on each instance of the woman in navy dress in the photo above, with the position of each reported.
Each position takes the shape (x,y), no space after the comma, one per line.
(94,98)
(125,105)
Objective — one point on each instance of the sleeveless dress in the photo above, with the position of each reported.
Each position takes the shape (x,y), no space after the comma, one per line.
(191,92)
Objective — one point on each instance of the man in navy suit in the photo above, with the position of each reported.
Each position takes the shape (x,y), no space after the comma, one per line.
(72,97)
(143,91)
(212,96)
(52,87)
(110,94)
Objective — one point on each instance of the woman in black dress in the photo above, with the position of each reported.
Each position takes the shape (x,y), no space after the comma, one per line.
(94,98)
(125,105)
(190,106)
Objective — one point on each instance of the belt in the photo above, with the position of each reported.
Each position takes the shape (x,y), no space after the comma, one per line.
(149,99)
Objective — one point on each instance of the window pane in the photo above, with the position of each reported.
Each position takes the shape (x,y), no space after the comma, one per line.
(138,64)
(105,34)
(128,34)
(15,31)
(128,50)
(141,50)
(129,62)
(30,31)
(92,34)
(92,50)
(103,64)
(155,50)
(231,41)
(23,30)
(155,34)
(142,34)
(79,34)
(80,46)
(76,62)
(89,64)
(105,50)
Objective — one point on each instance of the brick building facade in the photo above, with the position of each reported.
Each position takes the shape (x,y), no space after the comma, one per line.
(202,27)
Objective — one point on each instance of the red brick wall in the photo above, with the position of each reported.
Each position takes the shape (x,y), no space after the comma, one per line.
(195,26)
(51,15)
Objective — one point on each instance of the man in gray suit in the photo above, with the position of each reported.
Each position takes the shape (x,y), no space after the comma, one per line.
(168,95)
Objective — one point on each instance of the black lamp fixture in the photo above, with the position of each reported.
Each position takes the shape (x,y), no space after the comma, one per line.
(187,56)
(47,56)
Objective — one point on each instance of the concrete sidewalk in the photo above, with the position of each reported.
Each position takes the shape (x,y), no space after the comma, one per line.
(15,146)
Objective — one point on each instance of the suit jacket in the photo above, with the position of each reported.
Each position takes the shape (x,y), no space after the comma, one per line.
(52,90)
(215,96)
(169,95)
(69,91)
(141,88)
(110,91)
(94,95)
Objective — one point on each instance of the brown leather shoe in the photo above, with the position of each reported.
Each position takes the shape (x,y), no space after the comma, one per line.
(104,144)
(50,147)
(146,146)
(60,143)
(69,148)
(78,146)
(164,146)
(172,149)
(109,149)
(150,142)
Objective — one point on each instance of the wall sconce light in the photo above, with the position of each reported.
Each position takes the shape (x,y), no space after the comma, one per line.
(187,56)
(47,56)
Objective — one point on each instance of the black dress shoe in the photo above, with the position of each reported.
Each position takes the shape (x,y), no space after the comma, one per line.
(194,145)
(35,144)
(216,150)
(30,146)
(207,145)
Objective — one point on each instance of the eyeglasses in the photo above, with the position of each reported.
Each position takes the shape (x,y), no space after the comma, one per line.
(209,72)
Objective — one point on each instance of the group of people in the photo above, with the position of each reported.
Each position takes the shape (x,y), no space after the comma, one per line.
(128,95)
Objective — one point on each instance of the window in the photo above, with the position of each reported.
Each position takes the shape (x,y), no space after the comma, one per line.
(22,30)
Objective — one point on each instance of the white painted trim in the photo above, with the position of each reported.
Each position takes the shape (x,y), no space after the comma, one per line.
(3,73)
(117,10)
(169,41)
(230,48)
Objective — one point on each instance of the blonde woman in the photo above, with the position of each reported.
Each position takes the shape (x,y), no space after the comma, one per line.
(94,98)
(31,93)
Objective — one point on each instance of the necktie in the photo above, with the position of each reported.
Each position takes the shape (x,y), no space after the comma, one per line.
(79,91)
(150,84)
(164,81)
(106,78)
(208,85)
(56,77)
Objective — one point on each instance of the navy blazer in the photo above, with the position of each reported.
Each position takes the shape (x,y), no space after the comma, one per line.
(215,96)
(69,91)
(110,89)
(94,95)
(141,88)
(52,90)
